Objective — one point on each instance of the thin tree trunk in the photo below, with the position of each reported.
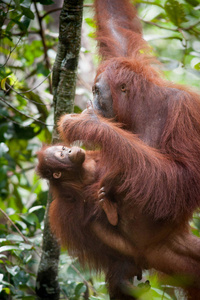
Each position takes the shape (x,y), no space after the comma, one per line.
(64,83)
(65,66)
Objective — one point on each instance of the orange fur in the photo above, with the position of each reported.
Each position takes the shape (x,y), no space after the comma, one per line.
(151,193)
(152,169)
(77,219)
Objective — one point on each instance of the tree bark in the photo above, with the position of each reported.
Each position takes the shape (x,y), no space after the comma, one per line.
(65,66)
(64,83)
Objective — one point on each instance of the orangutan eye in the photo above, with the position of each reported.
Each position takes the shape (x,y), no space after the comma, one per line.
(63,148)
(123,88)
(69,151)
(61,154)
(95,90)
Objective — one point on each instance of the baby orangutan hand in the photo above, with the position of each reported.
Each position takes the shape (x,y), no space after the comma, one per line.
(109,207)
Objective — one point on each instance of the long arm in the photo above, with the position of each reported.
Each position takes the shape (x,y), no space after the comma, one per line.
(116,21)
(153,181)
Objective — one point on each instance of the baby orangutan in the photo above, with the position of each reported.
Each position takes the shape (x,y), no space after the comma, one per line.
(69,162)
(77,219)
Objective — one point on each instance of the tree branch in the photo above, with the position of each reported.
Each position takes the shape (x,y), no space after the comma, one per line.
(1,66)
(20,233)
(20,112)
(60,8)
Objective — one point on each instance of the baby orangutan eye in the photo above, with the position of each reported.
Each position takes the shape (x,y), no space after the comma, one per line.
(69,151)
(63,148)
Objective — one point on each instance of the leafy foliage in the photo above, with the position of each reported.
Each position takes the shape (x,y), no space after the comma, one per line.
(175,12)
(172,28)
(28,48)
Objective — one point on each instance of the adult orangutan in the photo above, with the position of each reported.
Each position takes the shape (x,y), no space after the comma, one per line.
(150,190)
(160,178)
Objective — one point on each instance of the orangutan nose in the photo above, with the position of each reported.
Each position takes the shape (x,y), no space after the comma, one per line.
(77,155)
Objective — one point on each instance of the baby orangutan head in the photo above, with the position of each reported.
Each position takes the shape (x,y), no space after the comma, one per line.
(60,162)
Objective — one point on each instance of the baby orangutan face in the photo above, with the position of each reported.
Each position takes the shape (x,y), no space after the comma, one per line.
(56,161)
(75,155)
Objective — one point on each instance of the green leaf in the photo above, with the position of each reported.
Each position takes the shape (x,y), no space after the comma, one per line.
(193,2)
(27,12)
(21,278)
(14,237)
(42,69)
(8,248)
(3,82)
(90,22)
(25,21)
(24,246)
(10,26)
(25,133)
(91,35)
(21,224)
(6,290)
(12,270)
(197,67)
(26,3)
(77,109)
(10,211)
(17,4)
(35,208)
(175,12)
(28,258)
(80,288)
(30,219)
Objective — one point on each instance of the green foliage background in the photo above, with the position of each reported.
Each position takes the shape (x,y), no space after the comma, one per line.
(28,48)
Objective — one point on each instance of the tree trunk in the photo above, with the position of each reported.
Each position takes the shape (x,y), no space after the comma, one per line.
(64,83)
(65,66)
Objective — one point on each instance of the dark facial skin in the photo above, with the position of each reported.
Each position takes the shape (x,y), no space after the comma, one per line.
(61,162)
(74,155)
(102,97)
